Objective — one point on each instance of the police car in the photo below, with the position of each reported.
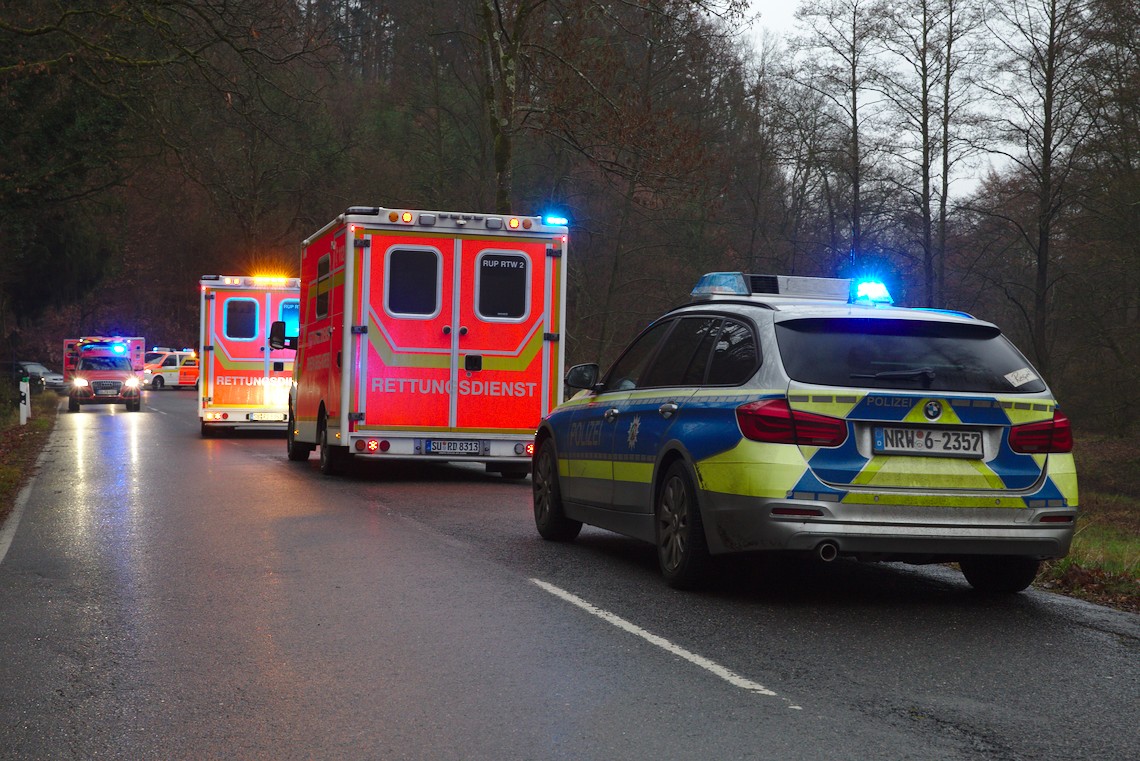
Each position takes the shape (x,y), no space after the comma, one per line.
(810,415)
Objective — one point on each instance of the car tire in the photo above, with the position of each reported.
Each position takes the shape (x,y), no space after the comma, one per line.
(682,550)
(332,457)
(156,383)
(999,574)
(134,406)
(295,451)
(549,517)
(72,404)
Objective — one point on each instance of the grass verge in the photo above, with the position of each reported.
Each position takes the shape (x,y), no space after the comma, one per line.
(20,445)
(1103,565)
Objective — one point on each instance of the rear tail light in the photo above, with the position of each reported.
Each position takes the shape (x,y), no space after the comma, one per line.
(773,421)
(1047,437)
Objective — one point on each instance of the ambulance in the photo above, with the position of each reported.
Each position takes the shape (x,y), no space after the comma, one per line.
(131,347)
(244,384)
(427,335)
(166,367)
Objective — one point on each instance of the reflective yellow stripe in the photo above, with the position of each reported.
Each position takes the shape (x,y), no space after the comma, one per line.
(585,469)
(752,469)
(915,473)
(635,472)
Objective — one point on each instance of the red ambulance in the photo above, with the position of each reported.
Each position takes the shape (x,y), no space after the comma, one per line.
(131,347)
(244,384)
(427,335)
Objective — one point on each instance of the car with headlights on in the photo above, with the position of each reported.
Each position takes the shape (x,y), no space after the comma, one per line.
(108,379)
(811,415)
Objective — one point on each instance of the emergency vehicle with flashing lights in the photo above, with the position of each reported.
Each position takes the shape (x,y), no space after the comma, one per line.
(781,413)
(427,335)
(132,347)
(243,383)
(103,375)
(166,367)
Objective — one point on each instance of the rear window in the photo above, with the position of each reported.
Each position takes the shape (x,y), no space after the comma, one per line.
(904,354)
(501,287)
(240,320)
(413,282)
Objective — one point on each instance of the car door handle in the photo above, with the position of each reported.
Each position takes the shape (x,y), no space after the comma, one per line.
(667,409)
(611,414)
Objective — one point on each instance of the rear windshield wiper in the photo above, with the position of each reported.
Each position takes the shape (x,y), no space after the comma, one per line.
(924,373)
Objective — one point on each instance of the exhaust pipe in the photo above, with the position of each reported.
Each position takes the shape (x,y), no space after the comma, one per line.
(827,551)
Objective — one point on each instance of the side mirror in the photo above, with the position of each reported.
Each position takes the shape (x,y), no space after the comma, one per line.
(278,339)
(582,376)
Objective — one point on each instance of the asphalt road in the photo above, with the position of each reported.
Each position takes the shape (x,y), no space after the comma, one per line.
(165,596)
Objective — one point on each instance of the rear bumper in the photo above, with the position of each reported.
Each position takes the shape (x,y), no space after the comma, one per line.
(512,450)
(889,532)
(245,419)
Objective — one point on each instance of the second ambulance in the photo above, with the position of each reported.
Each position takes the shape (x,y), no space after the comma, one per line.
(244,383)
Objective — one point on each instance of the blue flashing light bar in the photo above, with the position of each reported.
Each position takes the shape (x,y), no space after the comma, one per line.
(721,283)
(555,219)
(872,292)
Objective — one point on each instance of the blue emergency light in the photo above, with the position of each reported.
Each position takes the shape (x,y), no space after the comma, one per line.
(872,292)
(721,283)
(555,219)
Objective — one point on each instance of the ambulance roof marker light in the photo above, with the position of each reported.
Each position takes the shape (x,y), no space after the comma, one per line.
(513,223)
(872,293)
(407,217)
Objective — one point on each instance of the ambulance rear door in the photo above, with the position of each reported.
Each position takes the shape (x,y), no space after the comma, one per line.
(242,372)
(457,333)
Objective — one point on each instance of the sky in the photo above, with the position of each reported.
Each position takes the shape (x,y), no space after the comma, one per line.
(777,16)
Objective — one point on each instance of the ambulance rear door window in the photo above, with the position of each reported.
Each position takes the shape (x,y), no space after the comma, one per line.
(502,286)
(411,283)
(290,313)
(241,319)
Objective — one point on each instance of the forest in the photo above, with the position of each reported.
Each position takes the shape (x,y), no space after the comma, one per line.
(978,155)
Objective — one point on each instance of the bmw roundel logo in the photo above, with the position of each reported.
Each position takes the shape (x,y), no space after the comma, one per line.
(932,410)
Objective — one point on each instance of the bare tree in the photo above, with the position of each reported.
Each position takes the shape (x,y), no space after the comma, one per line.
(838,50)
(923,79)
(1042,118)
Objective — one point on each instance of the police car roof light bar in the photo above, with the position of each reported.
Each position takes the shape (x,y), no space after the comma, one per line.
(740,284)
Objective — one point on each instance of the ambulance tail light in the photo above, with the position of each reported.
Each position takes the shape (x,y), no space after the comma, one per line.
(773,421)
(217,416)
(1046,437)
(372,446)
(526,449)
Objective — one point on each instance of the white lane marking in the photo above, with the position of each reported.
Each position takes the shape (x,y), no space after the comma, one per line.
(736,680)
